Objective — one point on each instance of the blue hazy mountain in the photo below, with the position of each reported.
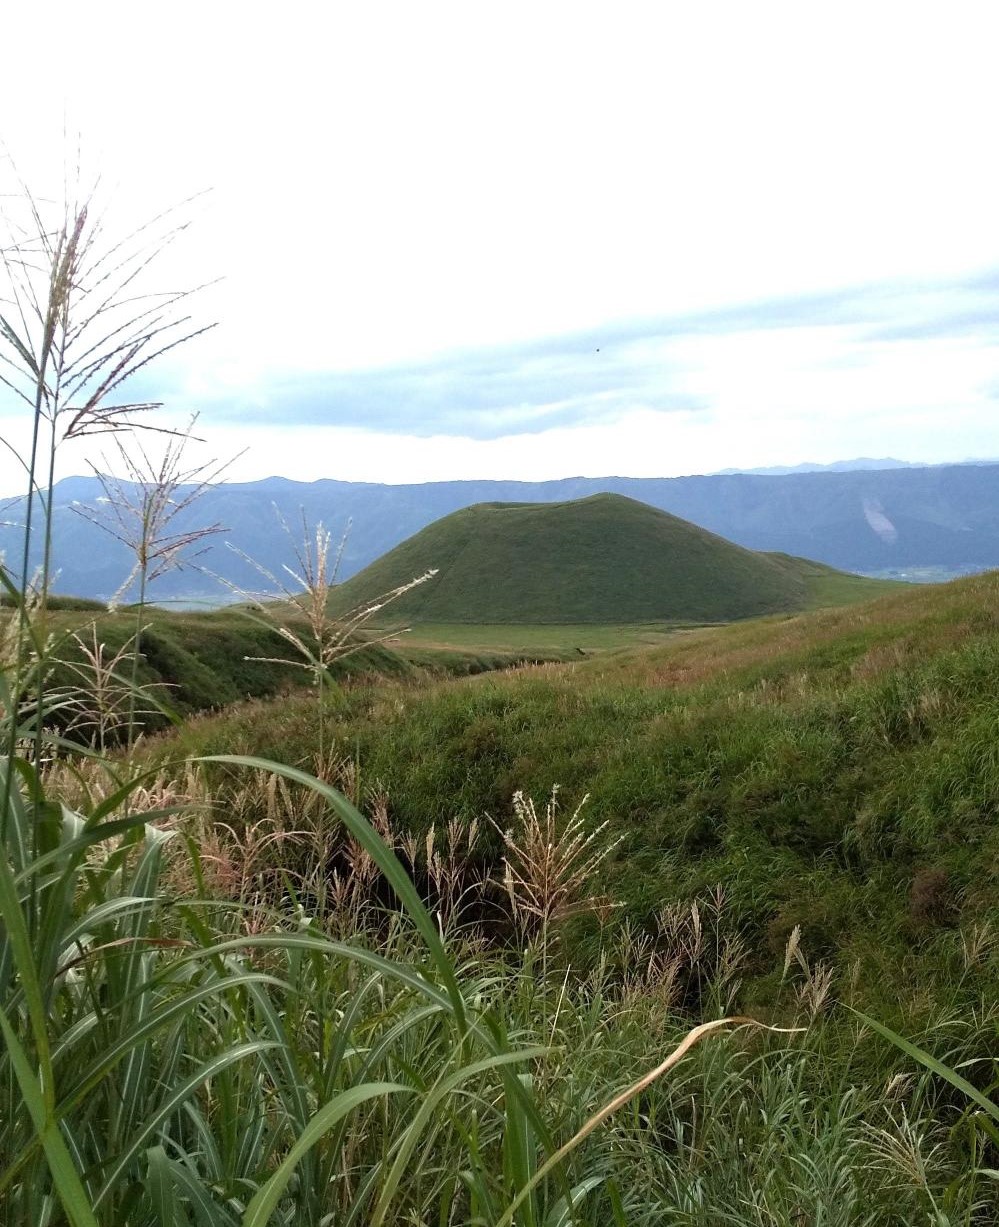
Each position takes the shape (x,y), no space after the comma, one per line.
(837,466)
(940,520)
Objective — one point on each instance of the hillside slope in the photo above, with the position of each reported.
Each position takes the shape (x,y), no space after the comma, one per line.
(598,560)
(834,771)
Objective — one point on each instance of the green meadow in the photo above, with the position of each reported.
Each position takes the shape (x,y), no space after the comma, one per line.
(827,770)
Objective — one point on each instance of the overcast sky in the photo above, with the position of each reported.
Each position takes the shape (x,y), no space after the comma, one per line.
(533,240)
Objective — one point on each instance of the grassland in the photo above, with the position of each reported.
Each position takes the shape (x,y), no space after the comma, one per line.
(826,589)
(791,817)
(782,757)
(192,661)
(566,641)
(794,816)
(834,771)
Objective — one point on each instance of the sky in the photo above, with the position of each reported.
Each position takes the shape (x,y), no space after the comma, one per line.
(535,240)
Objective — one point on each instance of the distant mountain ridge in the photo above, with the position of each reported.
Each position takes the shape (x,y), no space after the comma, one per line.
(865,463)
(870,521)
(836,466)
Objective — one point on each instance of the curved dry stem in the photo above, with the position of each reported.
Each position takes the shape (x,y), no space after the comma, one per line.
(689,1041)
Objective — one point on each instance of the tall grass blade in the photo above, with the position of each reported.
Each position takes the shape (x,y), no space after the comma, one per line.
(18,942)
(520,1153)
(265,1200)
(931,1063)
(562,1213)
(425,1115)
(208,1211)
(162,1190)
(390,968)
(384,858)
(108,1058)
(171,1104)
(68,1185)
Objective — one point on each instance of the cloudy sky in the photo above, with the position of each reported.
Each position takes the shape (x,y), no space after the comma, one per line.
(542,239)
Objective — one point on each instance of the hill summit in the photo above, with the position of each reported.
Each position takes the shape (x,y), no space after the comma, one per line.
(603,559)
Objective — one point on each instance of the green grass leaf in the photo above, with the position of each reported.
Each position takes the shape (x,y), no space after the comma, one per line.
(265,1200)
(931,1063)
(69,1187)
(431,1104)
(169,1105)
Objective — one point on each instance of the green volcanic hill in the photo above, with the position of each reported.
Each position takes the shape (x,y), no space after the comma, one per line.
(600,560)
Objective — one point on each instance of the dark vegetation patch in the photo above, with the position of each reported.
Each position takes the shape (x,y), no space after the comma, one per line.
(195,662)
(75,603)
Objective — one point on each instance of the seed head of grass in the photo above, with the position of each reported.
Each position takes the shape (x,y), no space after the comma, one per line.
(549,863)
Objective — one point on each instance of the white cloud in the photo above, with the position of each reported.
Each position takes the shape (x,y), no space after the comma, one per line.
(394,182)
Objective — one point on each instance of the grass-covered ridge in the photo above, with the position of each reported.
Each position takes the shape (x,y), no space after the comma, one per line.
(197,661)
(600,560)
(833,770)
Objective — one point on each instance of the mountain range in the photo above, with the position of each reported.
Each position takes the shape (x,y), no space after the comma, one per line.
(891,521)
(836,466)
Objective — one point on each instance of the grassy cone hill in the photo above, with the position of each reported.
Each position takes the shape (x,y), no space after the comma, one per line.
(599,560)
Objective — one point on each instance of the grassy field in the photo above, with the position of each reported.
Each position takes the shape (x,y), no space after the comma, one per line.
(825,589)
(275,1002)
(554,638)
(193,661)
(818,766)
(795,817)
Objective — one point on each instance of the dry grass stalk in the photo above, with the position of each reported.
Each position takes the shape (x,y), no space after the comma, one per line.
(455,886)
(76,325)
(651,976)
(84,783)
(316,570)
(686,948)
(899,1086)
(145,509)
(905,1150)
(548,865)
(278,837)
(102,704)
(978,944)
(813,992)
(244,867)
